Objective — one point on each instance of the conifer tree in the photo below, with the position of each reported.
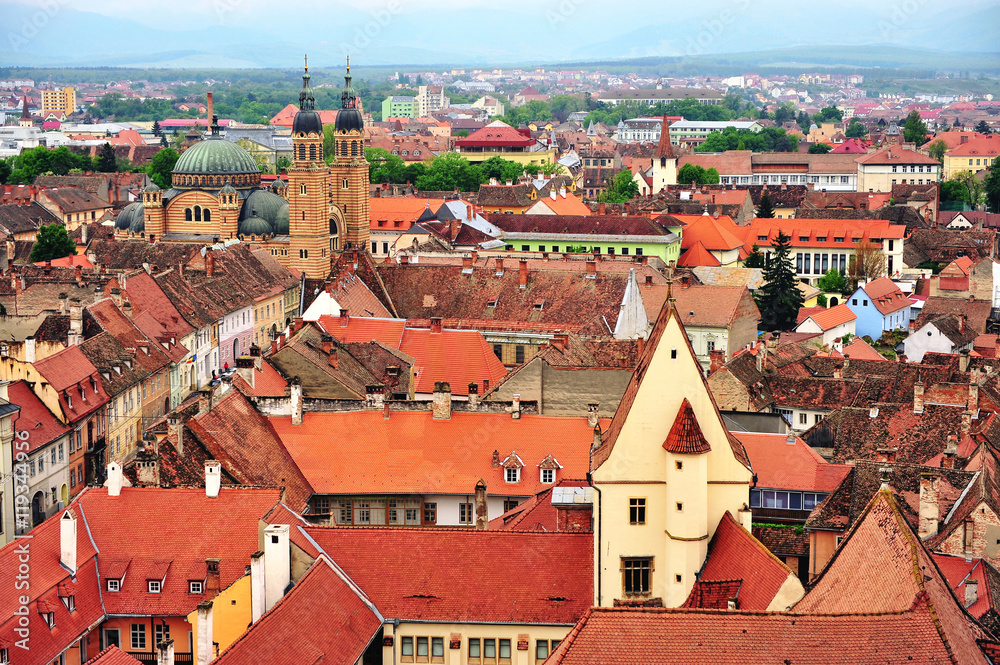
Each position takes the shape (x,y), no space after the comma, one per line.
(766,208)
(779,299)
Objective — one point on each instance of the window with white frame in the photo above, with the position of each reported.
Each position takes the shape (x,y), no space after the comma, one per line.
(153,586)
(548,476)
(512,474)
(138,636)
(114,585)
(195,586)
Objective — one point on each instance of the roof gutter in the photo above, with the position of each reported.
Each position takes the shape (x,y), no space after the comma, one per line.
(600,508)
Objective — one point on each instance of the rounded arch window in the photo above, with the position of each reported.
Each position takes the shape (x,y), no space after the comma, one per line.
(207,214)
(354,148)
(312,151)
(188,215)
(333,227)
(197,213)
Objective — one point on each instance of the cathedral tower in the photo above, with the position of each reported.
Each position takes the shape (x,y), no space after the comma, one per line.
(310,222)
(349,170)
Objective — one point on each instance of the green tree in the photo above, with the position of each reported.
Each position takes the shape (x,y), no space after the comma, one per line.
(766,208)
(755,259)
(283,163)
(5,171)
(915,129)
(621,189)
(973,186)
(803,120)
(161,167)
(819,149)
(501,169)
(383,166)
(106,162)
(829,114)
(856,130)
(983,128)
(992,186)
(936,150)
(692,173)
(832,282)
(779,299)
(953,190)
(156,128)
(450,171)
(52,242)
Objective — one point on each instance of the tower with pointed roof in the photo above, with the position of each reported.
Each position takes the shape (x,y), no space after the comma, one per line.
(664,161)
(666,471)
(349,170)
(312,228)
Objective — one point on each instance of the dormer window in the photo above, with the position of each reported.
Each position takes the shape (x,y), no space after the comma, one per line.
(548,467)
(69,602)
(118,369)
(154,586)
(114,585)
(93,385)
(196,586)
(69,400)
(512,475)
(491,304)
(49,618)
(4,656)
(128,363)
(548,476)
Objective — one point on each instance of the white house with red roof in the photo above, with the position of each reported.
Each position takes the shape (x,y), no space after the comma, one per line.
(832,323)
(498,139)
(879,171)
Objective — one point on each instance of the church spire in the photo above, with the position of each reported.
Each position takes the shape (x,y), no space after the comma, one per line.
(307,102)
(348,97)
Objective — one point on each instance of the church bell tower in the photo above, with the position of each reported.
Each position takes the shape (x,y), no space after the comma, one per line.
(349,170)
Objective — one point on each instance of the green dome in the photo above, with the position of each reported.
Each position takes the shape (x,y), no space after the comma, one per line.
(129,215)
(215,156)
(268,206)
(255,226)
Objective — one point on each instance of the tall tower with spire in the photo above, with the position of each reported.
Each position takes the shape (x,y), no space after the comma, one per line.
(349,169)
(664,160)
(311,227)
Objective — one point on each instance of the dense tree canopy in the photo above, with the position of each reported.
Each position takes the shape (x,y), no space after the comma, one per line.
(52,242)
(915,129)
(692,173)
(621,188)
(779,299)
(161,166)
(769,139)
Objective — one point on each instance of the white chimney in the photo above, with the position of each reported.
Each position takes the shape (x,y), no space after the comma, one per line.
(164,650)
(114,481)
(257,588)
(67,540)
(205,648)
(29,350)
(213,478)
(296,400)
(971,592)
(277,563)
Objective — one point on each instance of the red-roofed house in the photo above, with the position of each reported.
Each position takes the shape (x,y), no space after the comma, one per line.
(48,443)
(880,306)
(975,155)
(500,139)
(558,203)
(697,255)
(718,235)
(879,171)
(832,323)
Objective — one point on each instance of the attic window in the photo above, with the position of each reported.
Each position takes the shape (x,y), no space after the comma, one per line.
(128,363)
(512,474)
(106,375)
(838,239)
(803,238)
(49,618)
(195,586)
(539,305)
(821,239)
(118,369)
(761,237)
(69,602)
(491,304)
(154,586)
(114,586)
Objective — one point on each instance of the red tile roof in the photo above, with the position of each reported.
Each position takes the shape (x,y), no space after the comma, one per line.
(795,466)
(396,214)
(685,436)
(364,329)
(267,382)
(957,570)
(536,513)
(984,146)
(859,349)
(838,233)
(226,529)
(69,369)
(348,624)
(497,134)
(735,555)
(715,234)
(475,576)
(566,205)
(896,155)
(886,296)
(697,255)
(35,418)
(828,319)
(417,454)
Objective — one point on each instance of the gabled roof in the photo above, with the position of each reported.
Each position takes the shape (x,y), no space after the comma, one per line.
(828,319)
(476,576)
(790,466)
(35,418)
(703,305)
(905,577)
(697,255)
(735,555)
(715,234)
(896,155)
(496,134)
(113,656)
(885,295)
(410,451)
(350,623)
(537,512)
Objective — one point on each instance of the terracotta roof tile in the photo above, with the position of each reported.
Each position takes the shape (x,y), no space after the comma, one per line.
(113,656)
(715,234)
(795,466)
(697,255)
(35,418)
(685,435)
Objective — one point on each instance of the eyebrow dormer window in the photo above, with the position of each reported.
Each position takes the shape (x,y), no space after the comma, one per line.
(114,586)
(154,586)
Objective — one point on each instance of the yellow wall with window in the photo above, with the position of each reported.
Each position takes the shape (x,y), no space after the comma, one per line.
(423,641)
(231,614)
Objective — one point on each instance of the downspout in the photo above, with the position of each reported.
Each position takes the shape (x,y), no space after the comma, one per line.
(590,481)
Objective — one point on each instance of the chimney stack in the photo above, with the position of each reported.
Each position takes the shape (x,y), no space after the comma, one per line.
(205,646)
(165,652)
(296,400)
(435,325)
(67,540)
(966,421)
(114,481)
(277,563)
(209,263)
(211,108)
(522,275)
(929,512)
(175,431)
(213,478)
(591,269)
(515,407)
(592,411)
(597,438)
(441,401)
(950,451)
(257,586)
(473,394)
(482,512)
(918,397)
(499,273)
(345,317)
(974,393)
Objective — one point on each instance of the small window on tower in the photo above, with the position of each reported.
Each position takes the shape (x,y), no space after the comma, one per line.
(302,188)
(346,184)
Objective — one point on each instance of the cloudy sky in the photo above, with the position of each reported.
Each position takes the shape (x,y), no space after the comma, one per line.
(475,31)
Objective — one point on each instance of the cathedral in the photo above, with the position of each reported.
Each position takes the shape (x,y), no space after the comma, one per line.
(216,193)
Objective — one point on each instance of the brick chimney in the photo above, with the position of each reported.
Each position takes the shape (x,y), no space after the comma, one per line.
(165,652)
(522,275)
(591,269)
(716,360)
(441,401)
(974,392)
(515,407)
(597,437)
(467,263)
(175,431)
(966,421)
(929,512)
(496,459)
(918,397)
(277,563)
(435,325)
(499,273)
(950,451)
(209,263)
(560,341)
(482,513)
(344,317)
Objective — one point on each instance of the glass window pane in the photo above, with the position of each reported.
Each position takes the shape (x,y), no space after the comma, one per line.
(541,649)
(407,646)
(505,648)
(489,648)
(755,498)
(422,646)
(795,501)
(474,648)
(437,647)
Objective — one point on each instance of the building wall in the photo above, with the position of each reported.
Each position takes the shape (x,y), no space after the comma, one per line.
(729,392)
(566,392)
(179,632)
(927,339)
(881,178)
(53,475)
(392,654)
(822,545)
(124,423)
(231,614)
(539,157)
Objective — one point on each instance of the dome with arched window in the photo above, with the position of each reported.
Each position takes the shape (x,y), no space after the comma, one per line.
(210,163)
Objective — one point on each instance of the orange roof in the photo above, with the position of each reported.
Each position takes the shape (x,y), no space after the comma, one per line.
(828,319)
(983,146)
(715,234)
(886,296)
(697,255)
(459,357)
(113,656)
(790,466)
(397,213)
(411,453)
(566,205)
(69,262)
(735,555)
(859,349)
(963,263)
(805,232)
(267,382)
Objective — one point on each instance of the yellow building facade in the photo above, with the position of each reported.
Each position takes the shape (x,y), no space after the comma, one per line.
(61,102)
(665,473)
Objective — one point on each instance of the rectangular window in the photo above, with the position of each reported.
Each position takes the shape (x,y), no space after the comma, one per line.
(512,475)
(465,513)
(795,501)
(195,586)
(498,351)
(638,251)
(510,504)
(755,498)
(798,263)
(406,649)
(807,265)
(519,354)
(637,510)
(803,418)
(154,586)
(489,648)
(162,632)
(816,265)
(555,248)
(437,649)
(636,576)
(430,513)
(138,636)
(475,649)
(505,650)
(422,650)
(548,476)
